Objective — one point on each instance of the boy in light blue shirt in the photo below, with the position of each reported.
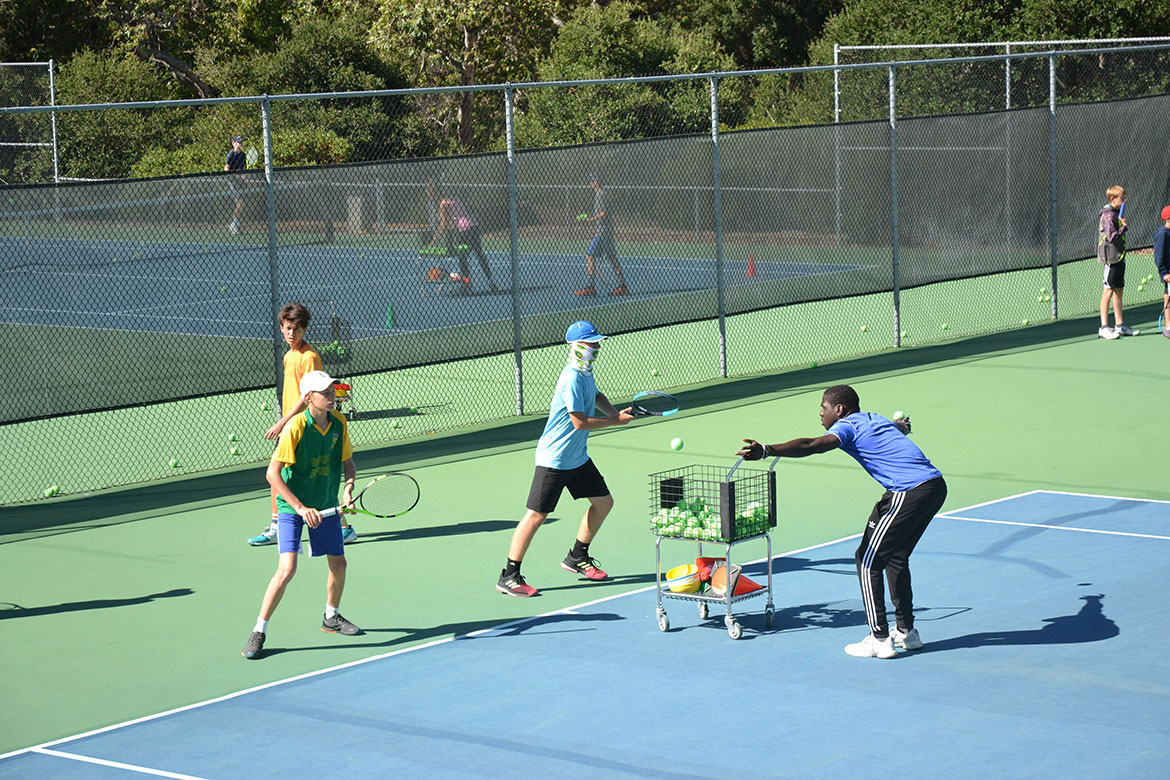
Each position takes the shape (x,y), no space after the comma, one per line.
(562,461)
(915,491)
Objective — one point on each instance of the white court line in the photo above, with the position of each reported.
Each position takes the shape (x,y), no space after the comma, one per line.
(989,503)
(116,764)
(44,747)
(1098,495)
(1055,527)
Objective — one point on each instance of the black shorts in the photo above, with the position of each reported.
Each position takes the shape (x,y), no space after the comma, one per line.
(585,481)
(1114,277)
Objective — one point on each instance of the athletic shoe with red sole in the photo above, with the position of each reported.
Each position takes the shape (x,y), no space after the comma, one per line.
(586,567)
(623,290)
(514,585)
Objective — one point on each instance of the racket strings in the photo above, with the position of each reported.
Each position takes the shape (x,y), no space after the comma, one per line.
(391,495)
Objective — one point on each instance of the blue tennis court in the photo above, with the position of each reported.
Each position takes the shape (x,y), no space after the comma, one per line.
(1043,617)
(222,289)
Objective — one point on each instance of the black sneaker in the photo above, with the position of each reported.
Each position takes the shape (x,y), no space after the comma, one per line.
(254,646)
(587,567)
(339,625)
(514,585)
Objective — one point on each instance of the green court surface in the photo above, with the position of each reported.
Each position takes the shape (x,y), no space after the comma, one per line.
(130,602)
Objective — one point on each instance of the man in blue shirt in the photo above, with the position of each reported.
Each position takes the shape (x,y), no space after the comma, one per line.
(915,491)
(562,461)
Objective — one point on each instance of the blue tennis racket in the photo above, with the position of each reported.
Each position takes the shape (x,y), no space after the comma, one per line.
(652,403)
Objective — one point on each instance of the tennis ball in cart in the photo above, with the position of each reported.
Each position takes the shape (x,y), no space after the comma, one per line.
(676,444)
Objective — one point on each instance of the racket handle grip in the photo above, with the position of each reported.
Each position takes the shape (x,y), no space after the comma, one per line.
(335,510)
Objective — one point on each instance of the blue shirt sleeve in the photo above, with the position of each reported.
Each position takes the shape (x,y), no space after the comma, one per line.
(843,431)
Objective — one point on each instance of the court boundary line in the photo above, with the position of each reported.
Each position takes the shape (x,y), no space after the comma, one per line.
(45,747)
(1050,492)
(1055,527)
(115,764)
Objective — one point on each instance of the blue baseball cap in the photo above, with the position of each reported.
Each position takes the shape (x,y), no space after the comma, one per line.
(582,330)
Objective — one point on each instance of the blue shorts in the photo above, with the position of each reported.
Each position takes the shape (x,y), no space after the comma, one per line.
(325,539)
(602,245)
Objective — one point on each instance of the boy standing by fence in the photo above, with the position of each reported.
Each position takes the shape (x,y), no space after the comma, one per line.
(1162,262)
(1111,252)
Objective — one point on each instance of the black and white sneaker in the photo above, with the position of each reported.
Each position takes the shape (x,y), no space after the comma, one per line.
(254,646)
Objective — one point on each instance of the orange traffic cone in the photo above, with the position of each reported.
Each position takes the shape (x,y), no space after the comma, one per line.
(751,269)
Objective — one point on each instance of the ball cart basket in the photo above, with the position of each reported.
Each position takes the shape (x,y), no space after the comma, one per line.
(708,504)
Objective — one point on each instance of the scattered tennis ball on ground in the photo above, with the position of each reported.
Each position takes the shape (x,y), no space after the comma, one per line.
(233,437)
(944,326)
(1040,299)
(654,372)
(414,410)
(1043,290)
(1023,322)
(903,334)
(174,463)
(579,216)
(1048,299)
(393,423)
(11,201)
(812,364)
(223,289)
(235,450)
(264,407)
(676,444)
(864,329)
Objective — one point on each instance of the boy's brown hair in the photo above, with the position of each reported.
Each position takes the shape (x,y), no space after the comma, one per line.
(296,313)
(1116,191)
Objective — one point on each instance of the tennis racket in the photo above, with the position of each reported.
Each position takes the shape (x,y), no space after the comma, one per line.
(653,403)
(389,495)
(251,156)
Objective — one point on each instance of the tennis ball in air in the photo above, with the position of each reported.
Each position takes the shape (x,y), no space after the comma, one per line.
(863,329)
(174,463)
(676,444)
(899,415)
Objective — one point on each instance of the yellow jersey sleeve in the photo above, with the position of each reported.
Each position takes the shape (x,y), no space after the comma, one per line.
(290,437)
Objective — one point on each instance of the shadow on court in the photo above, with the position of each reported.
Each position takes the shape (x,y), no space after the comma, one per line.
(432,531)
(17,611)
(462,632)
(1089,624)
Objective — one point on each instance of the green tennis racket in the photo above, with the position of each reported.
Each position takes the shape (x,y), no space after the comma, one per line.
(389,495)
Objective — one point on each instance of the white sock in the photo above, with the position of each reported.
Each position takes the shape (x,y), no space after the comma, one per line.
(261,625)
(330,611)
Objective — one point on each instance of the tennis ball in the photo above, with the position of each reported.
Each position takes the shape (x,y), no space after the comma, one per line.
(579,216)
(235,450)
(264,407)
(1040,299)
(899,415)
(11,201)
(654,372)
(863,329)
(362,255)
(48,492)
(1141,286)
(174,463)
(223,289)
(944,326)
(233,437)
(903,334)
(1048,299)
(812,364)
(1023,322)
(1043,290)
(676,444)
(393,423)
(414,410)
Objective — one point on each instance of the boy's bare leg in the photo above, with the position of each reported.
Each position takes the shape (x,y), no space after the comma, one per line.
(1105,296)
(525,530)
(286,567)
(595,515)
(335,584)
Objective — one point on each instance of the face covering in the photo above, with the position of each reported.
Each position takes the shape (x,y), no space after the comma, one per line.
(581,357)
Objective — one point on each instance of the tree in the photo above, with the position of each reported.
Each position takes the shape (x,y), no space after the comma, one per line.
(465,43)
(617,42)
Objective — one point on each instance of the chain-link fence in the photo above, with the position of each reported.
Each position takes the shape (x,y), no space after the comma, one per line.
(441,286)
(28,143)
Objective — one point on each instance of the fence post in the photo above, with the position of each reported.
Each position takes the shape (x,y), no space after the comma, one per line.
(1052,177)
(720,288)
(273,261)
(513,234)
(53,123)
(894,205)
(837,144)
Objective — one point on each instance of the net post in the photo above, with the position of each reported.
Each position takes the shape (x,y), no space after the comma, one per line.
(717,198)
(514,247)
(273,264)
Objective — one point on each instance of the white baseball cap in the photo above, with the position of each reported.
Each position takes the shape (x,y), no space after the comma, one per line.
(316,382)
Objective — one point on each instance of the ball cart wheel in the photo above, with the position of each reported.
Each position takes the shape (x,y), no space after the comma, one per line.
(734,630)
(769,617)
(703,610)
(663,622)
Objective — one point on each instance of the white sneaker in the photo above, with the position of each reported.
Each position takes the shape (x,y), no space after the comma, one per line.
(1125,330)
(234,228)
(872,648)
(1108,333)
(908,640)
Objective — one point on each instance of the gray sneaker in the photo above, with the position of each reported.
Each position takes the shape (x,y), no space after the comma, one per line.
(254,646)
(1125,330)
(1106,332)
(339,625)
(908,640)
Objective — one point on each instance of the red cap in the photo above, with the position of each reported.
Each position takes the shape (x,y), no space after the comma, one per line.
(1165,213)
